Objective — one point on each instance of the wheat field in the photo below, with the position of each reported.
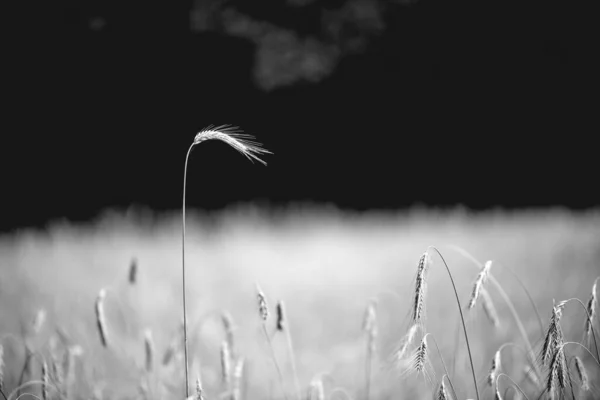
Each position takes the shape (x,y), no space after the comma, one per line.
(324,263)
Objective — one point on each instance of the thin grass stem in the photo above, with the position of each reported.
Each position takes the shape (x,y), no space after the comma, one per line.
(462,319)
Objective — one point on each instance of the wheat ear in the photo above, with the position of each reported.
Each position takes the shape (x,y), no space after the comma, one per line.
(589,322)
(430,335)
(244,144)
(479,282)
(509,303)
(582,374)
(442,394)
(101,318)
(133,271)
(497,364)
(589,318)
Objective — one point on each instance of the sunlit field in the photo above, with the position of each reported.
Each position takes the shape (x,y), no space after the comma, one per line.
(326,265)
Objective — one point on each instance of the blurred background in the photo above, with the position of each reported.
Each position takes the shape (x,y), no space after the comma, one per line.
(395,125)
(365,104)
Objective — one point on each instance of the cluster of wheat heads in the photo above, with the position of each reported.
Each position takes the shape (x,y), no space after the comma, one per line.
(559,369)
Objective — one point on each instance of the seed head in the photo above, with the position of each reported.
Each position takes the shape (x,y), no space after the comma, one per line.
(38,321)
(442,393)
(133,270)
(281,320)
(495,368)
(45,395)
(591,310)
(582,374)
(479,282)
(404,344)
(149,349)
(557,372)
(420,356)
(100,318)
(234,137)
(263,310)
(554,335)
(420,289)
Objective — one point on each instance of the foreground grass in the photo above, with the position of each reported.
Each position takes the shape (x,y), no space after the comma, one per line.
(325,265)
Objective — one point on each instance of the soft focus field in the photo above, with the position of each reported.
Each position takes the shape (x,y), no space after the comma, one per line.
(323,263)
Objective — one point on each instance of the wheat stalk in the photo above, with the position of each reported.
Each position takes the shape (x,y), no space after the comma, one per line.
(514,385)
(263,311)
(238,372)
(283,325)
(420,298)
(244,144)
(229,327)
(316,390)
(370,329)
(2,369)
(509,303)
(225,364)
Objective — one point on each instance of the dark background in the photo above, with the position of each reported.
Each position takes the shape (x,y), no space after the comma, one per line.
(441,103)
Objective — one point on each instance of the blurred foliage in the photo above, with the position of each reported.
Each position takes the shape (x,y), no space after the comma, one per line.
(285,55)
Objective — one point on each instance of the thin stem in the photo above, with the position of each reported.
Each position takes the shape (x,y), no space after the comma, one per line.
(17,390)
(368,363)
(510,305)
(513,382)
(444,365)
(589,319)
(185,343)
(3,395)
(463,320)
(535,309)
(275,359)
(585,348)
(292,359)
(519,281)
(339,390)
